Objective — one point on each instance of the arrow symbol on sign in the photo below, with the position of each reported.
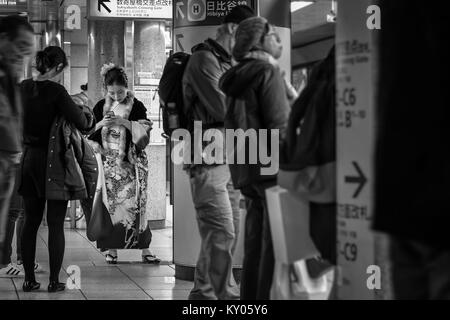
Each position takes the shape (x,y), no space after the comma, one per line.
(179,11)
(359,179)
(101,3)
(179,36)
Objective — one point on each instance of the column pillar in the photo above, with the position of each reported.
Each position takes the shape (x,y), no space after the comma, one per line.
(105,44)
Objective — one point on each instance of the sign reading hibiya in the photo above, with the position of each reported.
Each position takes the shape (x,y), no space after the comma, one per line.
(126,9)
(204,12)
(196,20)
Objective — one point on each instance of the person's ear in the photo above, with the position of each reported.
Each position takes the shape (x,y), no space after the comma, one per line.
(59,68)
(231,28)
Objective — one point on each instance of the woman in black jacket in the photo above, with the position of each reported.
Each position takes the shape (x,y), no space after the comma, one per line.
(44,99)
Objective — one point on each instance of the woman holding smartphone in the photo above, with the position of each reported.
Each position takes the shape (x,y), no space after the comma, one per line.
(121,136)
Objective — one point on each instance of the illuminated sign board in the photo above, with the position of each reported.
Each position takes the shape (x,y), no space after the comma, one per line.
(130,9)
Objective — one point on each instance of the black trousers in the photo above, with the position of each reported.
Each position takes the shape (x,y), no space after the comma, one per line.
(419,271)
(56,213)
(259,261)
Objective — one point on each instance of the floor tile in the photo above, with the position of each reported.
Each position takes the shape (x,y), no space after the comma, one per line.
(6,285)
(147,271)
(8,295)
(168,294)
(162,283)
(116,295)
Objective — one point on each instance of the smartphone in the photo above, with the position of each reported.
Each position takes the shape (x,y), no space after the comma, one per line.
(109,114)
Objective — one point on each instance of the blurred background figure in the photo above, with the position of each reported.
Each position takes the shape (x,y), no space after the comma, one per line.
(82,98)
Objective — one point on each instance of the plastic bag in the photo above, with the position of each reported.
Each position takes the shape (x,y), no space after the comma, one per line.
(292,282)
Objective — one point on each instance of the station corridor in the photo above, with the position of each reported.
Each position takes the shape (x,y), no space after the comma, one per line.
(128,280)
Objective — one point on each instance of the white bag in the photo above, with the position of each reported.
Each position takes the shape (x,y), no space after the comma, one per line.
(289,225)
(292,282)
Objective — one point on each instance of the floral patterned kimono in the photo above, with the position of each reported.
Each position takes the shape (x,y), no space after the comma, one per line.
(123,171)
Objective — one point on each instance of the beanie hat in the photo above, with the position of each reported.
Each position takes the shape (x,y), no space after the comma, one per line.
(239,13)
(248,36)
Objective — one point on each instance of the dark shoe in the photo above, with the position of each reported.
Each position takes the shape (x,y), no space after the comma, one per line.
(56,286)
(150,258)
(30,286)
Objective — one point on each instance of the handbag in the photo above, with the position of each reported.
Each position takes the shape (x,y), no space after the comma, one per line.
(99,225)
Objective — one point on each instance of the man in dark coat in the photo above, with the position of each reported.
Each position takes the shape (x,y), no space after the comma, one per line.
(256,99)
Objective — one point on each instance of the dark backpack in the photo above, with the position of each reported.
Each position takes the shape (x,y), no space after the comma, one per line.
(171,93)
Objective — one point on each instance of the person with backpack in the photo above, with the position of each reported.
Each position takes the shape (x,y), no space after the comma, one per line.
(257,99)
(215,200)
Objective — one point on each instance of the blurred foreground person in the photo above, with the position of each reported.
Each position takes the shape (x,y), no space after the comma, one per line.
(412,184)
(16,44)
(47,109)
(256,99)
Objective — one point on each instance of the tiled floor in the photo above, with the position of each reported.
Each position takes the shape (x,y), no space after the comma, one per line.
(129,279)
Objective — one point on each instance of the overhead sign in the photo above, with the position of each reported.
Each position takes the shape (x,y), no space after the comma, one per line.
(130,9)
(205,12)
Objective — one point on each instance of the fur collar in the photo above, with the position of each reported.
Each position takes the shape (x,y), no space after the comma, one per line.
(127,102)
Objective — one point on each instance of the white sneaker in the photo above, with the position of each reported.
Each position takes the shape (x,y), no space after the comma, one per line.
(37,267)
(11,270)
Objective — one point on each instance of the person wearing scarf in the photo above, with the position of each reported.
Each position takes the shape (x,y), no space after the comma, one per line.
(121,135)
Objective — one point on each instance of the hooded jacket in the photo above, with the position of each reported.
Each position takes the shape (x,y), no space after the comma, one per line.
(256,99)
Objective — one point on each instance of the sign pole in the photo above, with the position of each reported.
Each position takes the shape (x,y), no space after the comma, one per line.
(362,259)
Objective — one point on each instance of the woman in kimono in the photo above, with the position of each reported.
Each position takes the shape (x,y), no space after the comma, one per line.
(120,137)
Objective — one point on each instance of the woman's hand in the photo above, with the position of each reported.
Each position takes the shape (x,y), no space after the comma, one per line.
(116,121)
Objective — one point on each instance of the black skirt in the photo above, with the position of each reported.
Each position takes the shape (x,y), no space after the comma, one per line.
(33,172)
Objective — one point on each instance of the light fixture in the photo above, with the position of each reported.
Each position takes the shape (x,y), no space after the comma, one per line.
(297,5)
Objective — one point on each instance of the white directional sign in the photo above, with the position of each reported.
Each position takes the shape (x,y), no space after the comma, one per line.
(355,144)
(130,9)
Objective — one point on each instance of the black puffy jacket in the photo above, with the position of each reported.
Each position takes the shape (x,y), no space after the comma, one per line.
(72,169)
(256,99)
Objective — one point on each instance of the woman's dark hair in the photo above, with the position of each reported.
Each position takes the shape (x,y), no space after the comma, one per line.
(49,58)
(116,76)
(84,87)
